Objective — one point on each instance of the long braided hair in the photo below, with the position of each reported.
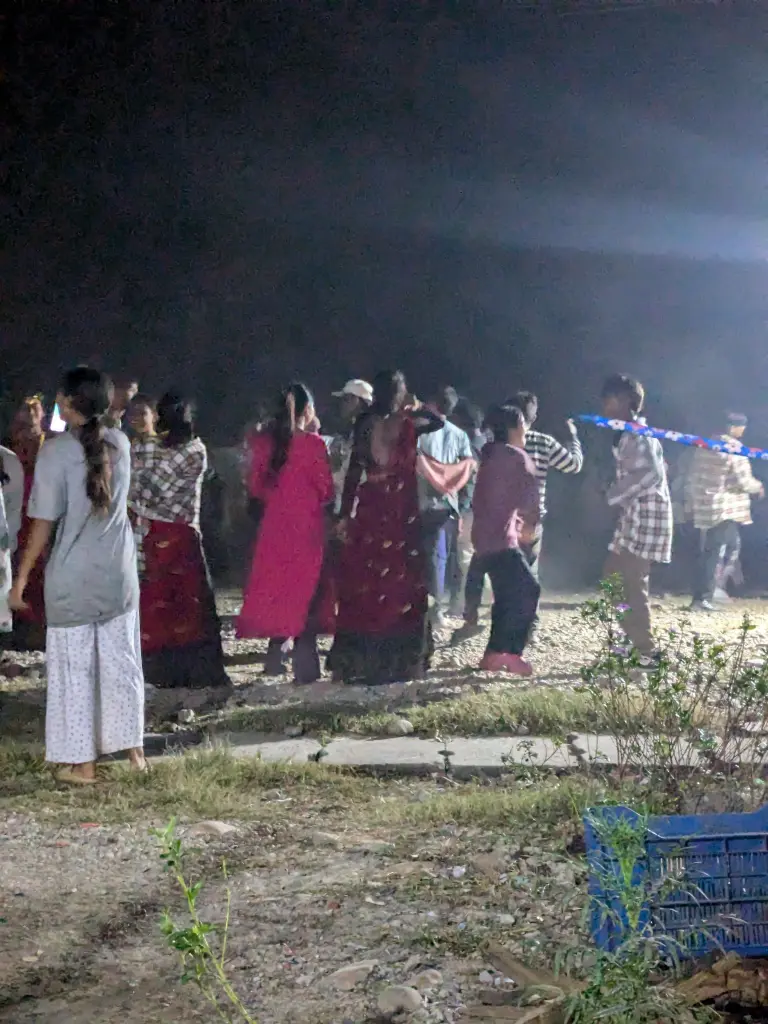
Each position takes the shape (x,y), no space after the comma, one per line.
(89,393)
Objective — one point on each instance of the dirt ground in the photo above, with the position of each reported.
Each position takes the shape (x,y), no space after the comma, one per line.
(415,875)
(80,940)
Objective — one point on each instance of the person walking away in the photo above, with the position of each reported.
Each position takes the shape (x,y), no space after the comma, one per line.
(355,398)
(27,435)
(546,453)
(95,702)
(445,464)
(506,514)
(643,534)
(721,487)
(382,632)
(289,592)
(180,629)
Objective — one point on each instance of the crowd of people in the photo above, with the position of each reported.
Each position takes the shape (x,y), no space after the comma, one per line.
(375,536)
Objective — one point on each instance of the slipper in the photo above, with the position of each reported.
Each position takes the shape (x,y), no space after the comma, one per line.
(70,778)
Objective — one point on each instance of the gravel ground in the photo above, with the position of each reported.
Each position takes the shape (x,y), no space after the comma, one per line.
(80,940)
(563,644)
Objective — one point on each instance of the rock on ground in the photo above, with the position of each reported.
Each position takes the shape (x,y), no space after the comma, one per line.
(400,999)
(346,978)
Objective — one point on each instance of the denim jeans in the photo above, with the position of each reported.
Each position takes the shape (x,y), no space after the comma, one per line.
(441,546)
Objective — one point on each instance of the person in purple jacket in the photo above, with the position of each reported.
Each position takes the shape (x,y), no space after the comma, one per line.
(506,513)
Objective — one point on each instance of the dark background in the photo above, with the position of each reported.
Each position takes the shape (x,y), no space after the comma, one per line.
(221,195)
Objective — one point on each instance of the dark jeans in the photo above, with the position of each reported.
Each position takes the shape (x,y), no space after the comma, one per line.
(306,660)
(724,535)
(516,593)
(473,590)
(441,546)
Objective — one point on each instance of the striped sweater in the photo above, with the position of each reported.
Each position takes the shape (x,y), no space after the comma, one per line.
(547,453)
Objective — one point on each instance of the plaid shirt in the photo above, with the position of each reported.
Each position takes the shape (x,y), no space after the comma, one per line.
(166,485)
(547,453)
(720,488)
(641,491)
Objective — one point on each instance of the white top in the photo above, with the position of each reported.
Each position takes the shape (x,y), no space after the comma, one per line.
(13,493)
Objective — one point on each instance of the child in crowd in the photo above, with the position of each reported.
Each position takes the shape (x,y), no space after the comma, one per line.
(643,532)
(506,513)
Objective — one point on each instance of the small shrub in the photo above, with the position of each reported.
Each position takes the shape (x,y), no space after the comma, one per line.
(699,708)
(201,946)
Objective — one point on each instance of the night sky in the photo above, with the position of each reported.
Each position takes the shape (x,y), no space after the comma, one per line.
(223,195)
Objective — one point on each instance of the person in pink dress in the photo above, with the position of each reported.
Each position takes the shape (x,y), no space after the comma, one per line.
(289,593)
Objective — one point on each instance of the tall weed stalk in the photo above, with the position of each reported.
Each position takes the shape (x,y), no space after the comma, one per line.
(201,946)
(633,984)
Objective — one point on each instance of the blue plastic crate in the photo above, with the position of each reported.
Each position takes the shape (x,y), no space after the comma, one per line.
(721,861)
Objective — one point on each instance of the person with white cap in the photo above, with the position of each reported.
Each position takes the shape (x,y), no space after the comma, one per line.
(354,398)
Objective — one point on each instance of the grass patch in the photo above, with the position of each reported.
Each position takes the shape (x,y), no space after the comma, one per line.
(553,801)
(204,783)
(541,710)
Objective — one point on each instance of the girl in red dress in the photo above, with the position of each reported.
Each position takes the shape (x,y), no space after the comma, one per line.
(288,593)
(180,629)
(382,633)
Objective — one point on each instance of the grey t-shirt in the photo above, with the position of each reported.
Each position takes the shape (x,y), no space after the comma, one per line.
(91,574)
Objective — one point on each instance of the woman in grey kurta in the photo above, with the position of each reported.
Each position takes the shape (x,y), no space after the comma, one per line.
(95,701)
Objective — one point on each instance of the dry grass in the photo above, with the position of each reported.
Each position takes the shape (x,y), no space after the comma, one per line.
(542,711)
(211,783)
(205,783)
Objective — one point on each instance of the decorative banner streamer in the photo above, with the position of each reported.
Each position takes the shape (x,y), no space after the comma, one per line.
(729,445)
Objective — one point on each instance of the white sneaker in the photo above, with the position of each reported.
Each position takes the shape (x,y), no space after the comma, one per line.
(722,596)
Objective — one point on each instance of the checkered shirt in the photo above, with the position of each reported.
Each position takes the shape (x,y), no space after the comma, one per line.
(720,488)
(547,453)
(167,483)
(642,493)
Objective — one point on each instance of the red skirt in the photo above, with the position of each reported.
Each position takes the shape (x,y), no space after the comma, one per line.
(175,591)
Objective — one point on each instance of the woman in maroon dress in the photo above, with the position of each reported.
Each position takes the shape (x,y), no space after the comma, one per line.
(382,632)
(289,593)
(180,629)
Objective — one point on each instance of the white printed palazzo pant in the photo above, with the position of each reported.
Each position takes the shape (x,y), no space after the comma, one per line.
(95,701)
